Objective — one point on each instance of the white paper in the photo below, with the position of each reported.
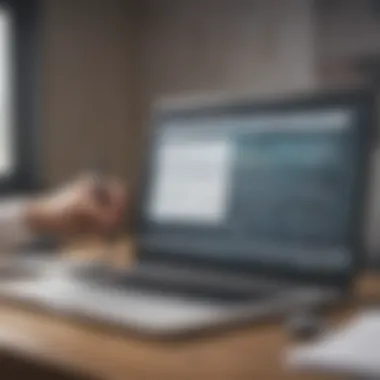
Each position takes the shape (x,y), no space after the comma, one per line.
(191,182)
(352,349)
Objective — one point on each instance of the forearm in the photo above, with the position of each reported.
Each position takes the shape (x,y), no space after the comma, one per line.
(35,217)
(70,211)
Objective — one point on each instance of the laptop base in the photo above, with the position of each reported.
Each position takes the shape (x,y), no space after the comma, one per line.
(166,310)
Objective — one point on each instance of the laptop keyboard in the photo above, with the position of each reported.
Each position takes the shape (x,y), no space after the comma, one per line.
(159,285)
(187,290)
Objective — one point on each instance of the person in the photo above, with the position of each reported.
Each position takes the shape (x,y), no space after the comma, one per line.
(66,211)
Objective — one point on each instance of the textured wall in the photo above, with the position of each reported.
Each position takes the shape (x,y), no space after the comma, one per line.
(86,84)
(222,45)
(105,60)
(346,31)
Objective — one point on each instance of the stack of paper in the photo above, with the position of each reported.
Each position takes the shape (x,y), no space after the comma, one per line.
(352,349)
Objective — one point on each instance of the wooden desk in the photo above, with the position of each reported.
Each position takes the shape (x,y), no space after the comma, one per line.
(249,353)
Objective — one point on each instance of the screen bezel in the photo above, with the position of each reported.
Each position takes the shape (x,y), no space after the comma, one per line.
(363,101)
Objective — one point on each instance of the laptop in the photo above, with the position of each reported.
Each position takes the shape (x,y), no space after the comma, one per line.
(248,210)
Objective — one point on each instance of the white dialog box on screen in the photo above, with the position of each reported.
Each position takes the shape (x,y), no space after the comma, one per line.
(191,181)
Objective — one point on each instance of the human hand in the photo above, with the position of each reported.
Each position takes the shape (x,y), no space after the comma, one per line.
(75,208)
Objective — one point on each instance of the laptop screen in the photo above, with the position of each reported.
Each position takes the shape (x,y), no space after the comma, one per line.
(273,187)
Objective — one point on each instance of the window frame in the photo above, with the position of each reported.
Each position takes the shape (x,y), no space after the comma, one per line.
(24,96)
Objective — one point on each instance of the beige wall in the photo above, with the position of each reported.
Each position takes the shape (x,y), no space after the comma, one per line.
(104,61)
(347,30)
(86,85)
(227,45)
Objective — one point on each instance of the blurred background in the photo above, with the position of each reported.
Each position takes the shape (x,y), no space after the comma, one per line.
(92,69)
(104,63)
(88,72)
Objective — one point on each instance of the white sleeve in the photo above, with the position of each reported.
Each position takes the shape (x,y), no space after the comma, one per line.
(13,228)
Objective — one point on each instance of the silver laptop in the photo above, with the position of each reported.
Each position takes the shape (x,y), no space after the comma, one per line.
(248,211)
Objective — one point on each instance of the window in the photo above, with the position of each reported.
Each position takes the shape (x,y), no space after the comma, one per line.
(18,94)
(7,159)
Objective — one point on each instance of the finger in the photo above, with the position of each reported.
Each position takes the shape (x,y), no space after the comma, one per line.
(117,190)
(118,196)
(96,216)
(106,214)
